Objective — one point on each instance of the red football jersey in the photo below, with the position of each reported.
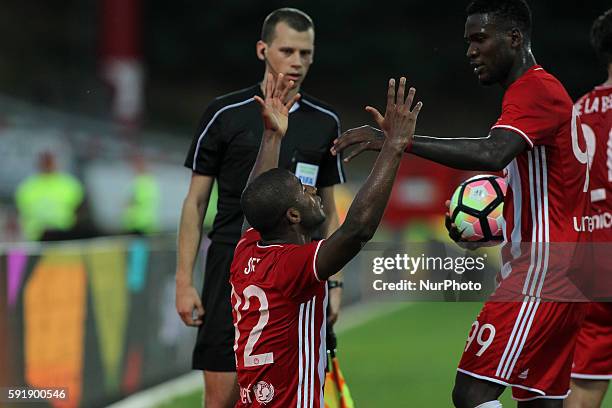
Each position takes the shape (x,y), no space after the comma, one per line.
(593,355)
(279,309)
(595,110)
(547,199)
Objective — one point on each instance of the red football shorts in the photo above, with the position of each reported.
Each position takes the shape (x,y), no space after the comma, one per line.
(527,345)
(593,355)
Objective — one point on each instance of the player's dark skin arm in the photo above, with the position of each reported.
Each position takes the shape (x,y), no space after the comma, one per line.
(491,153)
(267,158)
(369,204)
(275,115)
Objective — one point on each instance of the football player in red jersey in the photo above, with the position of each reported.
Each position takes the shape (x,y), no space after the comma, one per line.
(278,275)
(592,368)
(526,343)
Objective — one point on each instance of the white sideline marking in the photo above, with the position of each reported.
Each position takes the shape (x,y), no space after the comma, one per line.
(162,393)
(362,313)
(352,316)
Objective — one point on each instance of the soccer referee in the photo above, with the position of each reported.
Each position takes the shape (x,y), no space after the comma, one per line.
(224,149)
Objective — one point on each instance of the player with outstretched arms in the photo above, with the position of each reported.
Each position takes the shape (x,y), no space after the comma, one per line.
(278,275)
(526,343)
(592,369)
(222,153)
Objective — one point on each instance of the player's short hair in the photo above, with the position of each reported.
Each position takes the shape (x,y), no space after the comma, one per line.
(601,36)
(266,199)
(294,18)
(515,12)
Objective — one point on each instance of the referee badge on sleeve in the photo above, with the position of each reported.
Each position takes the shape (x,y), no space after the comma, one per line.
(307,173)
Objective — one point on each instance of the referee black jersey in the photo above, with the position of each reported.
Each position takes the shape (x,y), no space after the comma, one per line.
(228,140)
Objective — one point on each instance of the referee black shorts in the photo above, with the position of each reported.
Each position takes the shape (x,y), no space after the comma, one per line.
(214,349)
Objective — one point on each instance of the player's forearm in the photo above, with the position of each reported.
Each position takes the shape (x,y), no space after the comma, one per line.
(369,204)
(328,201)
(464,153)
(331,225)
(267,156)
(189,237)
(478,154)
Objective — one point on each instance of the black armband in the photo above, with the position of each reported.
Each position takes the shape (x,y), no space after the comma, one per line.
(335,284)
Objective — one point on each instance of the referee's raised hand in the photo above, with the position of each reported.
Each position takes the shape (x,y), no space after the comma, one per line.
(275,106)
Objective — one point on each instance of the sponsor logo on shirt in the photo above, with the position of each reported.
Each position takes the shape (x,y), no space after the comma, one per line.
(245,395)
(264,392)
(595,222)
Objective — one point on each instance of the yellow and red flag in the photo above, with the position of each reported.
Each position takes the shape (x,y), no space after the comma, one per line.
(336,392)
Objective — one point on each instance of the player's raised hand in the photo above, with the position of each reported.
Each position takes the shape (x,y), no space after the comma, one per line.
(275,106)
(369,138)
(400,118)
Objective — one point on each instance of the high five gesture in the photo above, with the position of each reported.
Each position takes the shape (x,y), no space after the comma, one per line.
(369,204)
(399,118)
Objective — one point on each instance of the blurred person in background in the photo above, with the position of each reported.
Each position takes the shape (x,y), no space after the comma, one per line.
(224,149)
(141,215)
(592,368)
(48,201)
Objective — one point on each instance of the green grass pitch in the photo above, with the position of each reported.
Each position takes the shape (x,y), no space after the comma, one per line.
(406,358)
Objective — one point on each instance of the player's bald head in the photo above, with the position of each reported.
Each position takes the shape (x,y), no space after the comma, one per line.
(266,199)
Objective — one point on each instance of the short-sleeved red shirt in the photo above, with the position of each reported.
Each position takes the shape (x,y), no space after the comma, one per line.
(279,315)
(547,198)
(547,181)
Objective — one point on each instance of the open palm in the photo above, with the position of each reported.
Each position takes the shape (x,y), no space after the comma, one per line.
(367,137)
(274,111)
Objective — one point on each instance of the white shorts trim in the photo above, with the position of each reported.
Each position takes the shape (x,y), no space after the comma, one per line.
(592,376)
(495,380)
(557,397)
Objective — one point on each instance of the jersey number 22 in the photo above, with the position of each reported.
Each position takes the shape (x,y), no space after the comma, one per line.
(250,359)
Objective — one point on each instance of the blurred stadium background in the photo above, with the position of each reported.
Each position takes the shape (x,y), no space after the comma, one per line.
(112,87)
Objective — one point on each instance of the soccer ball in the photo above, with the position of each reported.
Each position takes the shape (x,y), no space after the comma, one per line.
(477,208)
